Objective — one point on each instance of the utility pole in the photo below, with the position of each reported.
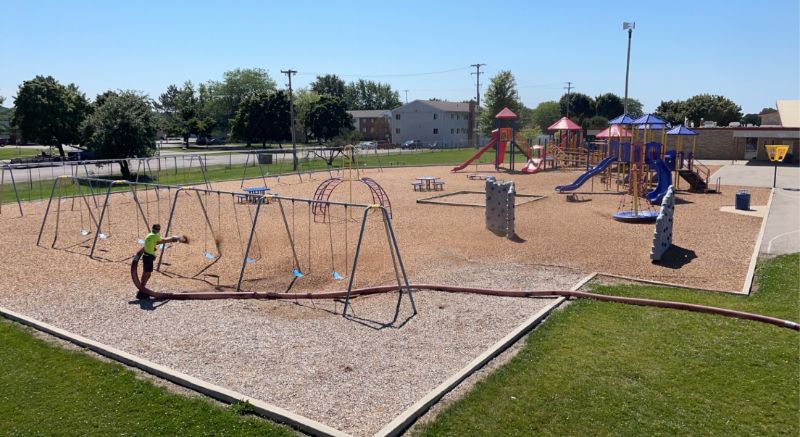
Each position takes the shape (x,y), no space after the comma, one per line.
(406,91)
(289,73)
(568,88)
(629,27)
(477,74)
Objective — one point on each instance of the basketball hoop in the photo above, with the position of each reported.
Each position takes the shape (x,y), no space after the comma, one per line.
(776,152)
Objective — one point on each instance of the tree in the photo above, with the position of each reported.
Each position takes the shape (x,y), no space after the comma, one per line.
(767,109)
(672,111)
(328,118)
(263,117)
(50,113)
(751,119)
(181,111)
(123,125)
(608,105)
(581,106)
(329,84)
(635,108)
(596,122)
(225,97)
(712,108)
(545,114)
(366,94)
(501,93)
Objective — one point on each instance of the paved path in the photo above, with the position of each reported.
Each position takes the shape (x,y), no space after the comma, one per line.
(782,234)
(743,175)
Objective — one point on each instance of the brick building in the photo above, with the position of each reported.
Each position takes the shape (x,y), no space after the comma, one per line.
(373,125)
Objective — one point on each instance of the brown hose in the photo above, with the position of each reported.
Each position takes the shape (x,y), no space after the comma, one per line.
(454,289)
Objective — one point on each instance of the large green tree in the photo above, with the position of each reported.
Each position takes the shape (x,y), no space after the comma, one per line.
(226,95)
(180,109)
(123,125)
(608,105)
(366,94)
(501,93)
(328,118)
(635,108)
(580,106)
(263,117)
(329,84)
(711,107)
(699,108)
(304,100)
(751,119)
(674,111)
(545,114)
(49,113)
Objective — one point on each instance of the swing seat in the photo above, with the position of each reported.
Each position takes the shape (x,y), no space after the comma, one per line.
(297,273)
(209,255)
(84,232)
(337,276)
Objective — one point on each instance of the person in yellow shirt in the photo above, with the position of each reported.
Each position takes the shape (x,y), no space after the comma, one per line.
(151,243)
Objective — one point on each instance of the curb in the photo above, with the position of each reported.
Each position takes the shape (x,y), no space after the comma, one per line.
(751,269)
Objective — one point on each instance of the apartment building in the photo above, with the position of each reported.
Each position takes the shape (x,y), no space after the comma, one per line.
(449,124)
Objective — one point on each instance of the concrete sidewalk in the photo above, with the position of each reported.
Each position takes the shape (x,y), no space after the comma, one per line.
(743,175)
(782,233)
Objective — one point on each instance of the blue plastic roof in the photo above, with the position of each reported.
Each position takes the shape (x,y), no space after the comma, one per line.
(681,130)
(651,120)
(622,119)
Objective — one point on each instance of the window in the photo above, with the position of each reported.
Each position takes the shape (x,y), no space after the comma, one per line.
(435,131)
(363,129)
(397,130)
(435,116)
(451,131)
(397,116)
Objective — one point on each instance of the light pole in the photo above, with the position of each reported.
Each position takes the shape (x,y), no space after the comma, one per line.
(629,27)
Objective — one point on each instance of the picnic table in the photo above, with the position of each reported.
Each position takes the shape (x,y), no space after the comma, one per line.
(251,194)
(428,183)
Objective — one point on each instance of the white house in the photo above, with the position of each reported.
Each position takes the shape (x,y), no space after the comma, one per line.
(450,124)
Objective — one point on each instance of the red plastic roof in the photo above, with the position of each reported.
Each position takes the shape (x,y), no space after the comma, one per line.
(564,124)
(613,131)
(506,114)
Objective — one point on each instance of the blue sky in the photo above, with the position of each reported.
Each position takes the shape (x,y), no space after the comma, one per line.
(745,50)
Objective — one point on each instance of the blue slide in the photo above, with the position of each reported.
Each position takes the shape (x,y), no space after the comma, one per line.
(664,181)
(585,177)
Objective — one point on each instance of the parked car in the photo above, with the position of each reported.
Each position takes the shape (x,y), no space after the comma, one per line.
(412,144)
(384,144)
(368,145)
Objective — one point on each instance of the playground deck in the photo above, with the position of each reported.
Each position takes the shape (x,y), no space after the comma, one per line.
(301,355)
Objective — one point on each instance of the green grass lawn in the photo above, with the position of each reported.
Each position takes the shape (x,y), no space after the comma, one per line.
(47,390)
(608,369)
(9,152)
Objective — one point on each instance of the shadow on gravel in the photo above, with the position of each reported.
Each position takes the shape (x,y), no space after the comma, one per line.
(676,257)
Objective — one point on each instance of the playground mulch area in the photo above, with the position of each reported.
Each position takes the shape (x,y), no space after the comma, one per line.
(302,355)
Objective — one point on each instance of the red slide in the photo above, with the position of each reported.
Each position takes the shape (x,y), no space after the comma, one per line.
(534,165)
(480,152)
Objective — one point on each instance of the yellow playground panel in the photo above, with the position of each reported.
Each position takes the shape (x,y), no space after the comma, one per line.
(776,152)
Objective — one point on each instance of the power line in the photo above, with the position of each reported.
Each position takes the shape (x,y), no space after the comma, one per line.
(477,74)
(309,73)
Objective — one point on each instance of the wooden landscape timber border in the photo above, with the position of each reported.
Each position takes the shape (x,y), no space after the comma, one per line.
(222,394)
(432,200)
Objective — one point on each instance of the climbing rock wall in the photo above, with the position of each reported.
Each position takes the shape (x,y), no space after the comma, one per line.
(662,237)
(500,203)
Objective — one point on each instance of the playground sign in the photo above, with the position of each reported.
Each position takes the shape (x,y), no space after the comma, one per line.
(776,152)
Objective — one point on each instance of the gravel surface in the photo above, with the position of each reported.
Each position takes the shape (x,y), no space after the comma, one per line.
(302,355)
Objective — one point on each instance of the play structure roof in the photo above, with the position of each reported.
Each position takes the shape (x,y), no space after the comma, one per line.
(564,124)
(614,131)
(652,120)
(622,119)
(681,130)
(506,114)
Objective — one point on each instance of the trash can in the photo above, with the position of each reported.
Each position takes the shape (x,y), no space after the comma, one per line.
(743,200)
(265,158)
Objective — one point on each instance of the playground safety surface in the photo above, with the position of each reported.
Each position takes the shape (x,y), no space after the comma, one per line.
(304,357)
